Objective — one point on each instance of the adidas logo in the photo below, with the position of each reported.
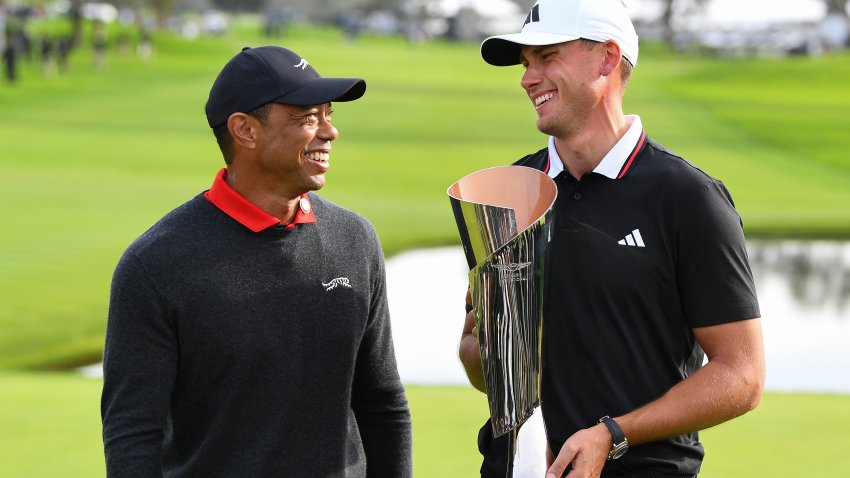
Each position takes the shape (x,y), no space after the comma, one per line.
(632,239)
(533,15)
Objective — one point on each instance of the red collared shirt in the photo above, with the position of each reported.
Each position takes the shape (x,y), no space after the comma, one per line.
(249,214)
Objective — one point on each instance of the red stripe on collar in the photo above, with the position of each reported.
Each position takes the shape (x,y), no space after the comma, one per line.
(249,214)
(632,156)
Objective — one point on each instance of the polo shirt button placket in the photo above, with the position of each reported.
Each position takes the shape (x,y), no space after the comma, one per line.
(577,196)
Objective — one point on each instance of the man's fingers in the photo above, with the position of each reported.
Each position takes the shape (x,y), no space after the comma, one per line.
(560,464)
(469,323)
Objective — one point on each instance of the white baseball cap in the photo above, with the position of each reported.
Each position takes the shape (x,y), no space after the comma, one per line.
(557,21)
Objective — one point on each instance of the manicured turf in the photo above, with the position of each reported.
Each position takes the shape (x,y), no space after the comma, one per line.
(92,158)
(54,430)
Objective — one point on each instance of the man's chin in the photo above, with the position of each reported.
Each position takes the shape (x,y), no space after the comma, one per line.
(553,127)
(545,128)
(318,182)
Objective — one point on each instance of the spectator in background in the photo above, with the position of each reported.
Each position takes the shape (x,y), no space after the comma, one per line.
(145,47)
(10,58)
(63,52)
(46,53)
(99,44)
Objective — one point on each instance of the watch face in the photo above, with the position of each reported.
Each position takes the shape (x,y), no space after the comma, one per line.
(619,450)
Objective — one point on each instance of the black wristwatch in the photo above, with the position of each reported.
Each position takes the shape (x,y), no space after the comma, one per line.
(621,444)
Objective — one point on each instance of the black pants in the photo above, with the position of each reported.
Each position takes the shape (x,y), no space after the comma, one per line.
(498,458)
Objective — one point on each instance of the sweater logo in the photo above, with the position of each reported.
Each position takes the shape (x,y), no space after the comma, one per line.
(334,283)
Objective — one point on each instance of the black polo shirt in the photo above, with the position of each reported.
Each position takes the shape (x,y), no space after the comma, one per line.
(644,248)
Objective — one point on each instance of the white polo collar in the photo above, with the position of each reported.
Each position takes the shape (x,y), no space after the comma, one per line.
(612,165)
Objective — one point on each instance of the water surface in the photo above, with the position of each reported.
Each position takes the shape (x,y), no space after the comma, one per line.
(803,289)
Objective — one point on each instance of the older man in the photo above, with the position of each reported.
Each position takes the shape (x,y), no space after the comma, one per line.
(248,331)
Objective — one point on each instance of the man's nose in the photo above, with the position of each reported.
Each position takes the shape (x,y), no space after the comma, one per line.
(327,131)
(530,77)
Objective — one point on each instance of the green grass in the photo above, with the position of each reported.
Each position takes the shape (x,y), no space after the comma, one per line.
(54,430)
(788,435)
(774,130)
(92,158)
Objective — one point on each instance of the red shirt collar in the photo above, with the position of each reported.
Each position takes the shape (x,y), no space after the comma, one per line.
(249,214)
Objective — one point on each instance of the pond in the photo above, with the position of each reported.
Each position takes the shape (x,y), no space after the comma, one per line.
(804,291)
(803,288)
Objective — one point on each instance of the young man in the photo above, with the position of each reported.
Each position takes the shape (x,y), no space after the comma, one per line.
(248,331)
(647,274)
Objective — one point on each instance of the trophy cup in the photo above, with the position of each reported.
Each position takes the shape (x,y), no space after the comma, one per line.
(503,215)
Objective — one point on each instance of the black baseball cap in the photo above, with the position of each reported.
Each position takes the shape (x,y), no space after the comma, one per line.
(272,74)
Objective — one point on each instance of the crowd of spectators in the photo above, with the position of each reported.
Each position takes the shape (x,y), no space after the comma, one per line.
(30,36)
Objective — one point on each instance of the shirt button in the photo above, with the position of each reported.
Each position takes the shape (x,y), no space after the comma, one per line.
(577,196)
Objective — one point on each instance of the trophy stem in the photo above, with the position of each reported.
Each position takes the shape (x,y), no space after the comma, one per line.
(512,439)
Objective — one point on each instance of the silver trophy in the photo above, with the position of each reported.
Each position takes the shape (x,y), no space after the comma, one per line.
(503,215)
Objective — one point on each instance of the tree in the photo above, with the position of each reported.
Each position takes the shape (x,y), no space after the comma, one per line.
(834,29)
(836,6)
(674,8)
(75,12)
(163,9)
(240,5)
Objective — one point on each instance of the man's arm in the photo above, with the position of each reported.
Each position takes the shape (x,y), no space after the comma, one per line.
(468,350)
(378,397)
(729,385)
(139,365)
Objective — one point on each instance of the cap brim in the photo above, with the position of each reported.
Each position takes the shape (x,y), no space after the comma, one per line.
(503,50)
(325,90)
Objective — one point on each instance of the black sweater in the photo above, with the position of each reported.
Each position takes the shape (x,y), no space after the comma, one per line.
(231,353)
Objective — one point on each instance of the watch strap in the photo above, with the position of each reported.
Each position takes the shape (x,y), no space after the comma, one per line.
(618,438)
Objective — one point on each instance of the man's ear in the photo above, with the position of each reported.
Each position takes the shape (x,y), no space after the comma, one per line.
(611,60)
(244,129)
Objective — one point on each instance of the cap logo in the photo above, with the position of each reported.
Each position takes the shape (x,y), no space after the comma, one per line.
(533,15)
(302,64)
